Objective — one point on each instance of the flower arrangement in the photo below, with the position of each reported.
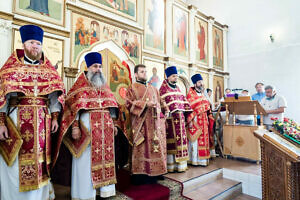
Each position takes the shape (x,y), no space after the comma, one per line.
(289,128)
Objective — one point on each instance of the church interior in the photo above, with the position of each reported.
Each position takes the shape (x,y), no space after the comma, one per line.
(241,49)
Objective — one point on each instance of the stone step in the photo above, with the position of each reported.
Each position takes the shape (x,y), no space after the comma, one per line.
(245,197)
(219,189)
(201,180)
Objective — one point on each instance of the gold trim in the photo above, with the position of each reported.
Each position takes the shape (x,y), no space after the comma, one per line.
(35,187)
(47,29)
(114,181)
(84,146)
(170,93)
(62,23)
(16,147)
(112,10)
(6,16)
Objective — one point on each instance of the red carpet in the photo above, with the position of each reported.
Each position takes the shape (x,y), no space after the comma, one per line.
(140,192)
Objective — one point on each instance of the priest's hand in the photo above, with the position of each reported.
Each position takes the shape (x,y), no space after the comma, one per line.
(3,133)
(116,131)
(167,114)
(76,133)
(151,104)
(54,126)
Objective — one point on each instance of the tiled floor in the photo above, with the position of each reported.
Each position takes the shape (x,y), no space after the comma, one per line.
(217,163)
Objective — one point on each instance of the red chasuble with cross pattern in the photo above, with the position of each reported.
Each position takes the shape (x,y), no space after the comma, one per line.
(199,129)
(175,102)
(86,98)
(30,138)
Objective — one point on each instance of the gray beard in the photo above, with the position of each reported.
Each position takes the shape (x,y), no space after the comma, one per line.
(96,79)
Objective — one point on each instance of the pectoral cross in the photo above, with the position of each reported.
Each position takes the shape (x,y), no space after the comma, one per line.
(100,102)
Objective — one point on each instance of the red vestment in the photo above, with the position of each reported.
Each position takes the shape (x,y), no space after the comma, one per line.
(199,120)
(175,102)
(148,131)
(31,139)
(97,101)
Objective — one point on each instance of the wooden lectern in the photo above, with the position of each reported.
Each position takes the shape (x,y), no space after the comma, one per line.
(280,167)
(238,140)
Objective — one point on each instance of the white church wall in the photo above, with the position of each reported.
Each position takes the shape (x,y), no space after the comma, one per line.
(252,57)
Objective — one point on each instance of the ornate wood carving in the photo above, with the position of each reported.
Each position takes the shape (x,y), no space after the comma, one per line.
(280,174)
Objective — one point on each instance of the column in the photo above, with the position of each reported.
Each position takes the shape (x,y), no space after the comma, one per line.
(192,45)
(225,52)
(211,21)
(169,28)
(6,40)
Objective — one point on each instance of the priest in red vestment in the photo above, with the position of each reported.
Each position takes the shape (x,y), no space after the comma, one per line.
(198,133)
(31,98)
(176,108)
(148,130)
(88,126)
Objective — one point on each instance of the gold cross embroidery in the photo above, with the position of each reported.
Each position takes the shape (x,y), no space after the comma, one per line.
(97,124)
(176,121)
(177,137)
(97,150)
(108,123)
(26,115)
(9,141)
(192,129)
(43,133)
(109,149)
(27,136)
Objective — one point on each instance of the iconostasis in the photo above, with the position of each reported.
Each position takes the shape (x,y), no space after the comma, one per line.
(157,33)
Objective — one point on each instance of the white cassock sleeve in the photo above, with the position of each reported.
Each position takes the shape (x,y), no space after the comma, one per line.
(55,105)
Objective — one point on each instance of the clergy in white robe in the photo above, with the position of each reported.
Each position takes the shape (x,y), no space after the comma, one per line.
(31,97)
(88,128)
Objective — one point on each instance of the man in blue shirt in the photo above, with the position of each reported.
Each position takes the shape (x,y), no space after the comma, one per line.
(259,96)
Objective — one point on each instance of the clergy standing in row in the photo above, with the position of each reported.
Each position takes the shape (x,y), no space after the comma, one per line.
(89,129)
(199,148)
(148,130)
(176,108)
(31,98)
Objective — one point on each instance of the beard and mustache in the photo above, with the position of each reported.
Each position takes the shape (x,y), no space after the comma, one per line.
(199,88)
(96,79)
(32,54)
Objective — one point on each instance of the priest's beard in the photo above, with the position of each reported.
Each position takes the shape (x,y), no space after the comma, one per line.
(199,88)
(142,79)
(96,79)
(32,54)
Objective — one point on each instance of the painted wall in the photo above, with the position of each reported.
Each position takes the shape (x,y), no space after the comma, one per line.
(251,55)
